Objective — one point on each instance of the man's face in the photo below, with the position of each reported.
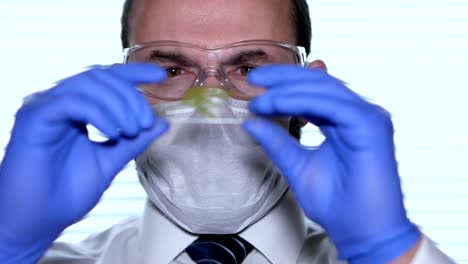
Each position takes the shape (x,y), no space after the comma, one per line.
(211,23)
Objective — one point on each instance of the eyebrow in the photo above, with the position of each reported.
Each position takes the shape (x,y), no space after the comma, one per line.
(166,56)
(242,57)
(248,56)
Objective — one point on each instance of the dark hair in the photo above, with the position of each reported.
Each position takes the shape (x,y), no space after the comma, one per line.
(300,14)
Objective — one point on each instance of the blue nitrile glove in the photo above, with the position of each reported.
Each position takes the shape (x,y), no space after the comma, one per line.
(350,183)
(52,174)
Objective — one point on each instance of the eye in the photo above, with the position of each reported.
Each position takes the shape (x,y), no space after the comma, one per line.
(174,72)
(243,70)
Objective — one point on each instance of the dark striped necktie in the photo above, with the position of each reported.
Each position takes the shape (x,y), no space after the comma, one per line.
(219,249)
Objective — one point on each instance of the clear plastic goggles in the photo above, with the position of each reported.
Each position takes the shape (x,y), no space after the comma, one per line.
(224,67)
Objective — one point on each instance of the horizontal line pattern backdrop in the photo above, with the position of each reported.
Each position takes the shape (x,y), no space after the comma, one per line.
(411,57)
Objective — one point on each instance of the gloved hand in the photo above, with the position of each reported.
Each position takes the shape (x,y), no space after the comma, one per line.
(52,174)
(350,183)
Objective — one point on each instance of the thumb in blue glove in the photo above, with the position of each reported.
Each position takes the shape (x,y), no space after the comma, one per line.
(350,183)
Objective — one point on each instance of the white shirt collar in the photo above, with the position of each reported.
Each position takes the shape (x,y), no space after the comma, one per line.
(161,241)
(284,225)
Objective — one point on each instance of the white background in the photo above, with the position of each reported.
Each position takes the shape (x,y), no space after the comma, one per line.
(409,56)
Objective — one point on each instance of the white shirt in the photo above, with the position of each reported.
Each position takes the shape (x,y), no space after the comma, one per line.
(281,237)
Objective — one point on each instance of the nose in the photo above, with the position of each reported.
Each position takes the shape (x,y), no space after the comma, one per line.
(212,78)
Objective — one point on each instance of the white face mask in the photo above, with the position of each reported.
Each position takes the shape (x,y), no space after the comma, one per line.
(206,174)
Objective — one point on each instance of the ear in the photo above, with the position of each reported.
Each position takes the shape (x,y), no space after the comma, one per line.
(316,64)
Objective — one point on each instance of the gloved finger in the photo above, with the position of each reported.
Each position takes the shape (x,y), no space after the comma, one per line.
(135,73)
(112,104)
(272,75)
(281,77)
(95,88)
(139,73)
(116,154)
(131,104)
(139,106)
(152,73)
(120,96)
(58,112)
(317,88)
(283,150)
(339,112)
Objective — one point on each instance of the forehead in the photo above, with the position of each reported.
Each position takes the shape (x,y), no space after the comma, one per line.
(211,23)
